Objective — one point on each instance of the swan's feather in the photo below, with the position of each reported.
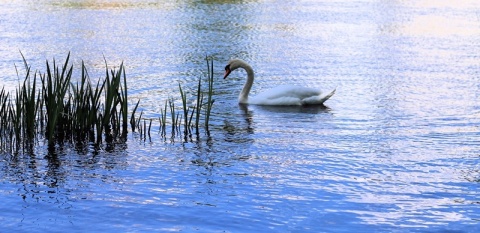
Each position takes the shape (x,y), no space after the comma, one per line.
(290,95)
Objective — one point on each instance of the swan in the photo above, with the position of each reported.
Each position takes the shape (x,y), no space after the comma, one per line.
(281,95)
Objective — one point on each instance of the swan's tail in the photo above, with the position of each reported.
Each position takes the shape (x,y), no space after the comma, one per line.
(317,100)
(325,98)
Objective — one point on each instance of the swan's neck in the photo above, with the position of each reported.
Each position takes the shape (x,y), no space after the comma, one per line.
(243,97)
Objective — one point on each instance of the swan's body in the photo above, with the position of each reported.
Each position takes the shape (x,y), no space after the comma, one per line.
(281,95)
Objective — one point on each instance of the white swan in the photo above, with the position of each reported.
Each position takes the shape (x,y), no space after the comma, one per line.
(281,95)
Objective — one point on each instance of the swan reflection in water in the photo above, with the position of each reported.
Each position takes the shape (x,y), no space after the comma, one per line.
(251,113)
(278,96)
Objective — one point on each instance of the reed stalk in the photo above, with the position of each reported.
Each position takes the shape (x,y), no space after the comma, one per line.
(132,117)
(186,109)
(210,101)
(139,120)
(54,86)
(163,114)
(149,128)
(198,106)
(124,103)
(30,103)
(171,104)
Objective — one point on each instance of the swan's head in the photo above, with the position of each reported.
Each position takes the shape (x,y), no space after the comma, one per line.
(233,65)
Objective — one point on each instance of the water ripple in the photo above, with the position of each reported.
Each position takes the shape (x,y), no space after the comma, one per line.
(395,150)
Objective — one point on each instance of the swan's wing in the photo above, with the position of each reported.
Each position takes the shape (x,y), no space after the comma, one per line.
(279,101)
(288,91)
(290,95)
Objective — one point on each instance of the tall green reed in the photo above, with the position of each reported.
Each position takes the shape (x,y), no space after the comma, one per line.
(186,109)
(80,111)
(55,84)
(210,101)
(63,110)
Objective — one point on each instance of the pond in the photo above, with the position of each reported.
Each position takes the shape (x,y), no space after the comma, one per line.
(396,149)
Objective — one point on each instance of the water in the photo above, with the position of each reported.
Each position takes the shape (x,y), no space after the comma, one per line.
(395,150)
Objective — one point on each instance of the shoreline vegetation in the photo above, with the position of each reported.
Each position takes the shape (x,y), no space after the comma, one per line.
(51,109)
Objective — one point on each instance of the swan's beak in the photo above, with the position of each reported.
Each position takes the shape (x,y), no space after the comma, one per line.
(227,72)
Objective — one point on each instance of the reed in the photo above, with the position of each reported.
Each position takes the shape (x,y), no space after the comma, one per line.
(85,105)
(163,120)
(198,106)
(186,109)
(138,125)
(124,103)
(31,102)
(50,106)
(210,101)
(62,110)
(173,115)
(192,115)
(3,119)
(132,117)
(55,84)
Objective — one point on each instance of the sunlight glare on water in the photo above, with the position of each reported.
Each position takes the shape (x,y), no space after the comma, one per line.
(394,150)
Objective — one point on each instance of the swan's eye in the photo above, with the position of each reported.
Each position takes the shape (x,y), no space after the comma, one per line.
(227,67)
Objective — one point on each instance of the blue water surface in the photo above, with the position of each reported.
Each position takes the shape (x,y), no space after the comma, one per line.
(396,149)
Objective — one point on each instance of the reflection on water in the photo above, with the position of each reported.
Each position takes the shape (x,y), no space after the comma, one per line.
(395,149)
(42,186)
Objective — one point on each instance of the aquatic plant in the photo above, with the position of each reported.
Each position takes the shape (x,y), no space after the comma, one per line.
(188,115)
(163,120)
(58,110)
(189,112)
(210,101)
(61,110)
